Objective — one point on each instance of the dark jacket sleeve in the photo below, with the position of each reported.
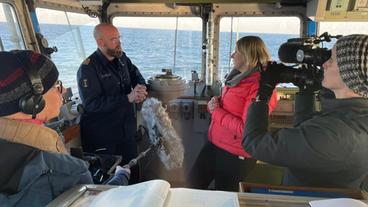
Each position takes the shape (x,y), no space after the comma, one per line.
(91,92)
(120,178)
(306,146)
(135,75)
(304,107)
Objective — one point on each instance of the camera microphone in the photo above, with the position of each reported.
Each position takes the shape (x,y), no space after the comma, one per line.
(160,129)
(296,53)
(316,56)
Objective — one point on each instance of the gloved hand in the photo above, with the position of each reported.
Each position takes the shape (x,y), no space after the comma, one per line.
(270,77)
(311,81)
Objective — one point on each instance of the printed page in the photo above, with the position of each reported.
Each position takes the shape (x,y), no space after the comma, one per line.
(338,202)
(147,194)
(184,197)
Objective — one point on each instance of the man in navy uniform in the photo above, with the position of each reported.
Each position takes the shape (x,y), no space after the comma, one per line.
(109,85)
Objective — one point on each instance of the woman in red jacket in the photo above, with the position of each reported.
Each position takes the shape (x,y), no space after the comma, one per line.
(224,159)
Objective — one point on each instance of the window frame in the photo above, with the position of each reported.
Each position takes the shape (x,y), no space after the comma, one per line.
(18,24)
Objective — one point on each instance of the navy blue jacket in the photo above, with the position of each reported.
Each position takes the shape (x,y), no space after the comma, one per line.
(35,177)
(103,87)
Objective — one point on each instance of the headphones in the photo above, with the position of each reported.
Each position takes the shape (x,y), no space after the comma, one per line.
(33,102)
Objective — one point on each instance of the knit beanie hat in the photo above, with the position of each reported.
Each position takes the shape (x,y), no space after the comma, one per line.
(352,59)
(14,80)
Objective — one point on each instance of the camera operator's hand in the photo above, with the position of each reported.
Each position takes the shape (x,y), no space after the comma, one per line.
(311,83)
(270,77)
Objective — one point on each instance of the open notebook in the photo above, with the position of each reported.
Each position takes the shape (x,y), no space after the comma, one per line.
(157,193)
(338,202)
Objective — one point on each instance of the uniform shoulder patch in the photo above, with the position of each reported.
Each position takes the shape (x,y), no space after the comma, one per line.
(86,61)
(85,83)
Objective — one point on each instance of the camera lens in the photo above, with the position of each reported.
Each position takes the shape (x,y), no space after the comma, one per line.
(300,56)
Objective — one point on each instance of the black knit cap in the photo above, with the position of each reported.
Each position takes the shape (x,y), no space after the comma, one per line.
(352,59)
(14,80)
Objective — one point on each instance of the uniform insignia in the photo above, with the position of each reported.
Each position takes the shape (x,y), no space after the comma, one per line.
(85,83)
(106,75)
(86,61)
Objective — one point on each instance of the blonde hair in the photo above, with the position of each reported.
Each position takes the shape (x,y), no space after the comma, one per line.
(253,50)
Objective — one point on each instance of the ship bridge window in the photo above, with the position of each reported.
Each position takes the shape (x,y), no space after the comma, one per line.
(72,34)
(154,43)
(10,36)
(342,28)
(273,30)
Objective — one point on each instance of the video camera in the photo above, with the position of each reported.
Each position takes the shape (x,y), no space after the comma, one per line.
(308,57)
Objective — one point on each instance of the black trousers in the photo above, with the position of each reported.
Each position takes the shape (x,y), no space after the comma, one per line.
(217,164)
(128,150)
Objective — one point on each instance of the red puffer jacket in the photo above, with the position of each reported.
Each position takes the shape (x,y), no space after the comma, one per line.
(228,120)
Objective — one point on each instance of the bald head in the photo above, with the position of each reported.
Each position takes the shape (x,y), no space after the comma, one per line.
(107,37)
(103,28)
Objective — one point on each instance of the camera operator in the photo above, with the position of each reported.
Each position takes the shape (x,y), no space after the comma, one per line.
(328,149)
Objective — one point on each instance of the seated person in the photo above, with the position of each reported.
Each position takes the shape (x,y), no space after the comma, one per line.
(35,166)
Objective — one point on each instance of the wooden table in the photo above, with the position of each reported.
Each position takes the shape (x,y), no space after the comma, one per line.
(265,195)
(256,200)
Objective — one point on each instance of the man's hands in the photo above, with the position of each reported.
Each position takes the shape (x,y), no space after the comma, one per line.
(213,104)
(138,94)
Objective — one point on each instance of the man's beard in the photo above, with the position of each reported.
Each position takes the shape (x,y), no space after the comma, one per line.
(116,52)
